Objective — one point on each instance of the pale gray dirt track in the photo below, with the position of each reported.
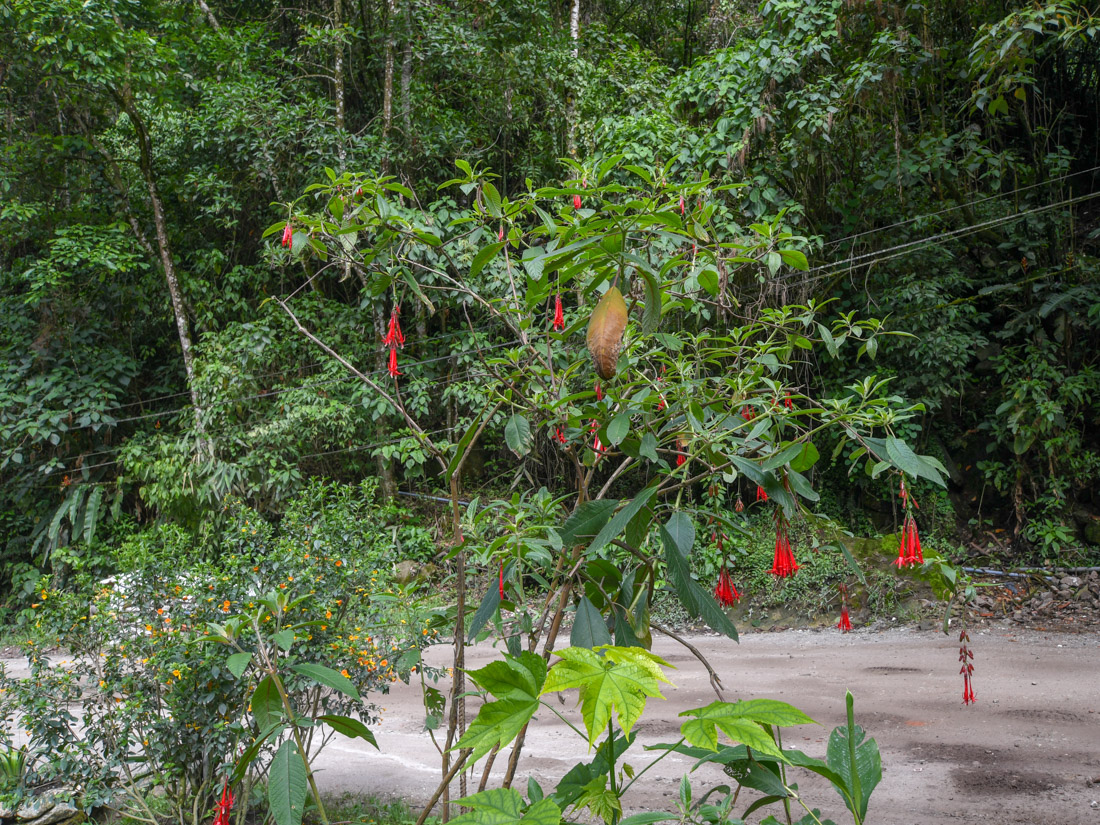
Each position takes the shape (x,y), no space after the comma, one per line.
(1022,754)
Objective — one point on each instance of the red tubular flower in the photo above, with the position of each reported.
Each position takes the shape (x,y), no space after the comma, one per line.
(394,371)
(724,591)
(599,391)
(500,234)
(683,210)
(784,565)
(559,314)
(909,551)
(740,505)
(787,402)
(288,236)
(748,413)
(394,336)
(596,445)
(967,670)
(576,201)
(761,495)
(680,457)
(559,436)
(502,578)
(845,623)
(224,805)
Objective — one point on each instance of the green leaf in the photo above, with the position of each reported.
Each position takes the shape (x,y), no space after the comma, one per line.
(682,532)
(587,521)
(651,315)
(286,785)
(483,256)
(267,706)
(504,806)
(513,677)
(496,724)
(415,287)
(351,728)
(517,434)
(806,459)
(327,677)
(618,428)
(485,611)
(698,602)
(909,462)
(589,627)
(492,198)
(856,759)
(620,681)
(611,530)
(648,447)
(91,513)
(238,663)
(464,443)
(741,722)
(794,259)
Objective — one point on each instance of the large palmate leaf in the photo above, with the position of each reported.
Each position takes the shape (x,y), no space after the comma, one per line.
(619,681)
(516,683)
(741,722)
(504,806)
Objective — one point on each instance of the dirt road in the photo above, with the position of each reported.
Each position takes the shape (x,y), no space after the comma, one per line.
(1022,754)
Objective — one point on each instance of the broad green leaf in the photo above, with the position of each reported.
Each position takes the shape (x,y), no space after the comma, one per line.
(286,785)
(621,519)
(648,447)
(464,443)
(651,315)
(697,601)
(517,434)
(620,685)
(327,677)
(513,677)
(902,457)
(589,627)
(483,256)
(587,521)
(238,663)
(856,759)
(682,532)
(496,724)
(618,428)
(267,706)
(492,198)
(91,513)
(741,721)
(351,728)
(504,806)
(806,459)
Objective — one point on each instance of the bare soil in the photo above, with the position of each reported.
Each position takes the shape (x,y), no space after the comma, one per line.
(1027,752)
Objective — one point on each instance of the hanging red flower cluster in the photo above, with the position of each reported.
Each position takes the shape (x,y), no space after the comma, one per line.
(787,401)
(740,505)
(761,494)
(909,553)
(748,413)
(288,236)
(394,338)
(784,566)
(559,435)
(966,655)
(724,591)
(845,623)
(559,314)
(224,805)
(680,457)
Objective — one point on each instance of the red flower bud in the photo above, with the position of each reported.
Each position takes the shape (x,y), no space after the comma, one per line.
(288,236)
(394,371)
(576,201)
(559,314)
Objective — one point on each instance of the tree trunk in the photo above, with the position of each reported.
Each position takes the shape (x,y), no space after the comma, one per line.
(570,99)
(406,76)
(338,82)
(387,86)
(160,223)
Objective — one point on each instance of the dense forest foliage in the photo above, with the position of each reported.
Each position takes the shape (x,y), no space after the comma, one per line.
(932,164)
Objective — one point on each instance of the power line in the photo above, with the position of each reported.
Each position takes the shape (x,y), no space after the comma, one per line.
(960,206)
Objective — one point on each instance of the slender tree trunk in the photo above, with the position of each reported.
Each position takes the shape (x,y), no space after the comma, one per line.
(338,82)
(160,223)
(387,85)
(570,99)
(406,76)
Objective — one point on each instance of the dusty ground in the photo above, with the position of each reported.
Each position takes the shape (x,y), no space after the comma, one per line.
(1022,754)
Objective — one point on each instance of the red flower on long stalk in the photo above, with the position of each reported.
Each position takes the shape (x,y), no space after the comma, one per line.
(392,365)
(966,656)
(576,201)
(559,313)
(784,565)
(288,236)
(845,623)
(501,578)
(683,209)
(224,805)
(909,551)
(787,401)
(394,336)
(724,591)
(761,494)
